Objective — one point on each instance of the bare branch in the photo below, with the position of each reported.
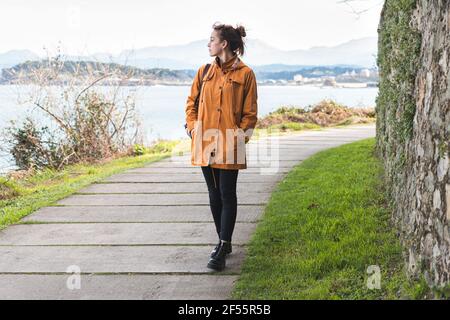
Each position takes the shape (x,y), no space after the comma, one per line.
(356,12)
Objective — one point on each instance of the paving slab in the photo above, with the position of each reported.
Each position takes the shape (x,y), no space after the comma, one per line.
(173,213)
(301,154)
(119,234)
(190,169)
(250,164)
(151,199)
(113,259)
(116,287)
(171,187)
(186,178)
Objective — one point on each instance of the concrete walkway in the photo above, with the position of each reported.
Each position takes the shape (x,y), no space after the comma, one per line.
(146,233)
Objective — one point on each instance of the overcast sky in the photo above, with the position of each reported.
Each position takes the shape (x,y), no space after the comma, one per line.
(89,26)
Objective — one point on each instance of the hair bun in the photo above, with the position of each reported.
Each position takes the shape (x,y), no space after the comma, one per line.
(241,31)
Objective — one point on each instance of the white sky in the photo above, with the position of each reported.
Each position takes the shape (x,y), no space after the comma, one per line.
(89,26)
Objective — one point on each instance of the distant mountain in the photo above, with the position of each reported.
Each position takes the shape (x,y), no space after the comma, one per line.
(13,57)
(26,72)
(359,52)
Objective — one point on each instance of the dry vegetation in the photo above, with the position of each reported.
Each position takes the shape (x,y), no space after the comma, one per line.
(79,121)
(325,113)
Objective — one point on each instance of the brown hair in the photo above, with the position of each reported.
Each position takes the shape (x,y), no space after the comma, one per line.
(232,35)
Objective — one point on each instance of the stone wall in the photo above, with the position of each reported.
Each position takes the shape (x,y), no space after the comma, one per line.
(413,129)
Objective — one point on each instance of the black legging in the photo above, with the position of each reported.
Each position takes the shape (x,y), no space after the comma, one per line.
(222,199)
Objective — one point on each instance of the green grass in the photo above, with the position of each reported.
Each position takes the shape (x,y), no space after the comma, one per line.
(287,129)
(45,187)
(324,225)
(294,126)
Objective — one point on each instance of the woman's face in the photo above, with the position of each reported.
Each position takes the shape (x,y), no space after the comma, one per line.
(215,45)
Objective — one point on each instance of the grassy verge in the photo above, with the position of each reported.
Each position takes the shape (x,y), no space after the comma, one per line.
(325,224)
(43,188)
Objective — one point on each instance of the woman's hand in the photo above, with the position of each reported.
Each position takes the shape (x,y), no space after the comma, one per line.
(189,133)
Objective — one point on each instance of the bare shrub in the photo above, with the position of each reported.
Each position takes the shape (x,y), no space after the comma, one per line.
(87,124)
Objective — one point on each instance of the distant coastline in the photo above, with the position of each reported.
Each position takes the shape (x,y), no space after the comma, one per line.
(77,72)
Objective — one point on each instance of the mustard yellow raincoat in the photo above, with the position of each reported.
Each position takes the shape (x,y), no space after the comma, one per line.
(226,115)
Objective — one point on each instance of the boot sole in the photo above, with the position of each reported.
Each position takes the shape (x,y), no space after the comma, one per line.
(215,266)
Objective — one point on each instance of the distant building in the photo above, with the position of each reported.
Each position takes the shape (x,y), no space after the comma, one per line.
(299,78)
(330,81)
(365,73)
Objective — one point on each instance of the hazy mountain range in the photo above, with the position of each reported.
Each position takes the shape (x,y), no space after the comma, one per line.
(13,57)
(259,55)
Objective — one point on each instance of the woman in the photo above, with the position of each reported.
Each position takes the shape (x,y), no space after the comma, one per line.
(221,113)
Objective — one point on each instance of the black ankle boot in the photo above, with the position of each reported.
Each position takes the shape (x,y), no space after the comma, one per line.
(228,248)
(217,262)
